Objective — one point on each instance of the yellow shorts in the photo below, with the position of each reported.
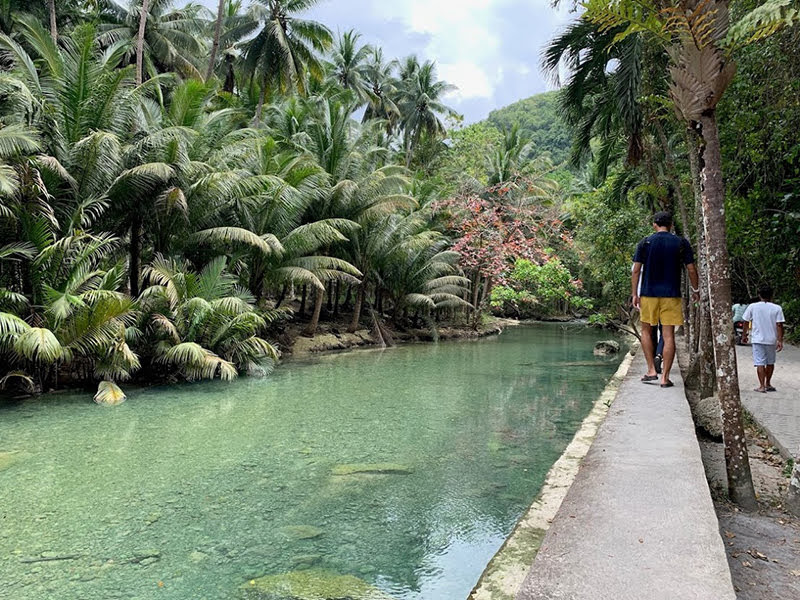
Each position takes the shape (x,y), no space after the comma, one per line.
(667,311)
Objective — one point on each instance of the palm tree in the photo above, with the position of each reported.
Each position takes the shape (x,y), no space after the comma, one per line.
(420,103)
(349,67)
(601,98)
(381,104)
(76,316)
(202,323)
(422,273)
(163,38)
(281,54)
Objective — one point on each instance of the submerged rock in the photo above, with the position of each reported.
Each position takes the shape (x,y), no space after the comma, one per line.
(306,561)
(311,584)
(372,469)
(606,347)
(7,459)
(708,417)
(301,532)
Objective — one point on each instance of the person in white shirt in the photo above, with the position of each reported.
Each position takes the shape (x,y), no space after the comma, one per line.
(767,337)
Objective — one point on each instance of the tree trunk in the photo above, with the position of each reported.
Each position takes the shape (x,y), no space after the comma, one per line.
(303,301)
(140,41)
(51,5)
(476,278)
(330,296)
(740,482)
(336,295)
(487,286)
(230,76)
(701,346)
(135,264)
(357,308)
(262,95)
(318,297)
(282,295)
(215,44)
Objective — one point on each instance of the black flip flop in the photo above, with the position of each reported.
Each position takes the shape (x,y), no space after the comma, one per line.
(668,384)
(646,378)
(771,389)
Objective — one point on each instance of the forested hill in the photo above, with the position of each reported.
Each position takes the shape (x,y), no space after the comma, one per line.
(537,116)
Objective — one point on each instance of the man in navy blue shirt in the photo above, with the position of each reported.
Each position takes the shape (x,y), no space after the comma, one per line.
(659,259)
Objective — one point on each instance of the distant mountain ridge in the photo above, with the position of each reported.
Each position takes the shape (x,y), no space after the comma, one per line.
(538,117)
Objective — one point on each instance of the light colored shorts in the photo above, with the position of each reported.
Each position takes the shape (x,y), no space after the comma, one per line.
(667,311)
(764,354)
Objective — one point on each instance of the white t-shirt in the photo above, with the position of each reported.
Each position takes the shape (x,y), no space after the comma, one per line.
(764,316)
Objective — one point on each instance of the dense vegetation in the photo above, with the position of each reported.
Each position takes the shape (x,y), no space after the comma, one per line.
(174,189)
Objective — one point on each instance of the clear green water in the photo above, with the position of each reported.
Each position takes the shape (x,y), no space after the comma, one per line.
(223,480)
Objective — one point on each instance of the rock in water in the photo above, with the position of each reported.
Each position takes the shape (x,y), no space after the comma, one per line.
(708,417)
(606,348)
(7,459)
(311,584)
(372,469)
(300,532)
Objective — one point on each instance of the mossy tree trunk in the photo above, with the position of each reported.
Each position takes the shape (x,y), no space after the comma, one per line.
(740,481)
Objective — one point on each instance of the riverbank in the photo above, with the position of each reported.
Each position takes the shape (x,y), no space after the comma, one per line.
(334,337)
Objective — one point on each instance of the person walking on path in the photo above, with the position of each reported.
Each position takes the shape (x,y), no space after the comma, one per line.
(659,259)
(767,337)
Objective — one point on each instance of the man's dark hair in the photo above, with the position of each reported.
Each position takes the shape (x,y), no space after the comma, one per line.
(765,292)
(663,218)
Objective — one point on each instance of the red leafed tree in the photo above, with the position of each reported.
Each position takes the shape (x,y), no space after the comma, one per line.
(491,230)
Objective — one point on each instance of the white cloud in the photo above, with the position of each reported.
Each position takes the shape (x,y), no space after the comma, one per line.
(471,80)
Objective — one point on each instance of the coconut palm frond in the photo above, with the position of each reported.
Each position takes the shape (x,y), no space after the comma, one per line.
(267,244)
(109,394)
(39,344)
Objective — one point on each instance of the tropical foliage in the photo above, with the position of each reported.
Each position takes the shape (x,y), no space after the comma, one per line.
(177,187)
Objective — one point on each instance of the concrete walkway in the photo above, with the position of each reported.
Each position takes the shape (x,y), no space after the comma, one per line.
(638,522)
(777,412)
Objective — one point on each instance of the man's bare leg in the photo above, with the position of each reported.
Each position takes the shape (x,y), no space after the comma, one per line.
(761,371)
(768,376)
(648,348)
(668,333)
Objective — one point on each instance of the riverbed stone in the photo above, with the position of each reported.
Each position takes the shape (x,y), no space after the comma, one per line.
(306,561)
(311,584)
(7,459)
(606,348)
(372,469)
(301,532)
(707,416)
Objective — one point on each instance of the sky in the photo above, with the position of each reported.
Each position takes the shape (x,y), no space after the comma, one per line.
(489,49)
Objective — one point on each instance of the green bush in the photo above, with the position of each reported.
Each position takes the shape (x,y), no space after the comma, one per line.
(535,291)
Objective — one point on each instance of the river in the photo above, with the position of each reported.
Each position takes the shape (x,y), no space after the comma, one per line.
(406,468)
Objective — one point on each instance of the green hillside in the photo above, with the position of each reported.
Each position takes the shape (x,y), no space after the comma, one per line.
(538,117)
